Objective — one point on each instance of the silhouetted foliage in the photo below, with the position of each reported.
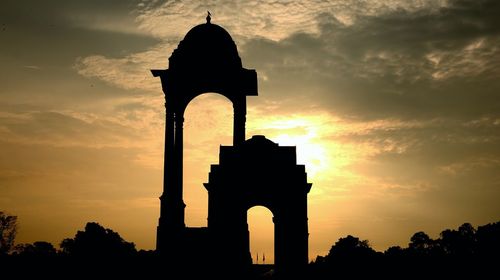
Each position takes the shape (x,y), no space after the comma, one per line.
(422,245)
(456,254)
(37,249)
(346,254)
(395,252)
(488,240)
(461,242)
(8,230)
(97,241)
(349,248)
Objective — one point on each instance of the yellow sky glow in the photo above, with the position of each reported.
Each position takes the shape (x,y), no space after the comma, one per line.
(398,132)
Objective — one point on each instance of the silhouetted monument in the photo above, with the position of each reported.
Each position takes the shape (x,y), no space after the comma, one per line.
(250,173)
(259,172)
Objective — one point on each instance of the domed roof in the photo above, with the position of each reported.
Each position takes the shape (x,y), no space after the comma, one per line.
(209,32)
(206,46)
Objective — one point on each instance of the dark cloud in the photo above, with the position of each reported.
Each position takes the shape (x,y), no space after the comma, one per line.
(401,64)
(49,36)
(436,71)
(52,30)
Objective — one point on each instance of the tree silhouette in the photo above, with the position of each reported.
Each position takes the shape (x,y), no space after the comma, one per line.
(422,245)
(459,243)
(350,247)
(37,249)
(488,241)
(456,254)
(8,230)
(395,252)
(97,241)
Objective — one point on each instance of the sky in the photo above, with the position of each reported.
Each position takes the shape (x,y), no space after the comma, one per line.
(394,107)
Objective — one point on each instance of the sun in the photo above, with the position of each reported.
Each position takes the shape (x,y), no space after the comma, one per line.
(309,153)
(303,133)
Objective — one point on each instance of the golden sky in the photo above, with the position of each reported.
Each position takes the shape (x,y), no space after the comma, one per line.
(393,106)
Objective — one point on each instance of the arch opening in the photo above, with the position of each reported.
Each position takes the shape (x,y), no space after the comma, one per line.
(208,123)
(261,235)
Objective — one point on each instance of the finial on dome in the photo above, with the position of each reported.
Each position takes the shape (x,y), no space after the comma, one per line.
(208,17)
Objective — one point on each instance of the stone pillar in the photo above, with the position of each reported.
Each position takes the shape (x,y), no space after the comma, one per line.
(167,211)
(240,112)
(179,163)
(171,204)
(291,237)
(168,163)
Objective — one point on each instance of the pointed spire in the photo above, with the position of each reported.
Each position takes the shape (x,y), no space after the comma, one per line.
(209,17)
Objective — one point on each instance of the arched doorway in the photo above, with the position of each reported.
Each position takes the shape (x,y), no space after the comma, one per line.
(259,172)
(261,235)
(207,125)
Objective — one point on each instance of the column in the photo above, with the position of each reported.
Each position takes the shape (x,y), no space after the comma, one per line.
(167,205)
(168,163)
(171,221)
(179,162)
(240,112)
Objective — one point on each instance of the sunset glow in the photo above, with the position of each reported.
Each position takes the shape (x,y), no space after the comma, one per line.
(393,109)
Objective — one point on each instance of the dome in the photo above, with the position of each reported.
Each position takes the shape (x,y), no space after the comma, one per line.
(206,46)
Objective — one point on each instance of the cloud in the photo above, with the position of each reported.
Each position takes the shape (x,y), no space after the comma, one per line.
(268,19)
(130,72)
(393,106)
(132,124)
(57,129)
(274,21)
(32,67)
(394,60)
(396,65)
(403,95)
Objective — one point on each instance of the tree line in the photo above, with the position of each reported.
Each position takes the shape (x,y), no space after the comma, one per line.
(94,240)
(466,241)
(462,250)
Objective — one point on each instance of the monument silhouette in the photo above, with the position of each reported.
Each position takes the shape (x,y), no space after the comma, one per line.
(252,172)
